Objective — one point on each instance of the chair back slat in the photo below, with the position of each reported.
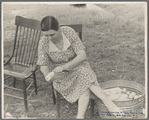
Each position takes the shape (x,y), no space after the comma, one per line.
(30,47)
(17,44)
(13,53)
(25,47)
(77,28)
(21,46)
(26,41)
(33,54)
(36,46)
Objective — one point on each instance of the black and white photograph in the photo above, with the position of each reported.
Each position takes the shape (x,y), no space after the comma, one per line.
(74,60)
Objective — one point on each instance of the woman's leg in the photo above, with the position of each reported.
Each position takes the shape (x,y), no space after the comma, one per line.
(108,103)
(82,104)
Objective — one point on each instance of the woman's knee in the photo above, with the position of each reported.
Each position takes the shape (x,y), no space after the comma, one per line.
(87,93)
(95,85)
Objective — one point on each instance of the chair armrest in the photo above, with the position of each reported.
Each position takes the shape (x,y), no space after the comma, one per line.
(34,68)
(6,62)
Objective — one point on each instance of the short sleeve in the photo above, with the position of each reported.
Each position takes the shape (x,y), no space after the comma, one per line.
(43,58)
(76,42)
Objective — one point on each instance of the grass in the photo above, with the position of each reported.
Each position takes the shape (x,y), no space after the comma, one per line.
(114,42)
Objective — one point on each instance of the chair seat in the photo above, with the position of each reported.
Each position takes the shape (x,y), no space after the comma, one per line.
(18,71)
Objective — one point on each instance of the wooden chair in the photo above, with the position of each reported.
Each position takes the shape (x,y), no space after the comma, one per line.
(56,95)
(21,65)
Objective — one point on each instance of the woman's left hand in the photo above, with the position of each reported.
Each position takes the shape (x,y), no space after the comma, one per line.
(58,69)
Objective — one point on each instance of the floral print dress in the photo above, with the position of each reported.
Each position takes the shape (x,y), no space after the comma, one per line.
(70,84)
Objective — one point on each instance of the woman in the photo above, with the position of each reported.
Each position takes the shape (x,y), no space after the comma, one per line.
(60,49)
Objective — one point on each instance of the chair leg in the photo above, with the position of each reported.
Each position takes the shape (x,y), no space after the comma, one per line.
(54,98)
(14,82)
(35,84)
(58,104)
(92,107)
(25,95)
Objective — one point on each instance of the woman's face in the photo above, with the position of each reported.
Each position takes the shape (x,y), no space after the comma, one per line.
(52,33)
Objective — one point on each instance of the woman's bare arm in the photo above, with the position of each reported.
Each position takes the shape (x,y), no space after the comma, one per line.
(44,70)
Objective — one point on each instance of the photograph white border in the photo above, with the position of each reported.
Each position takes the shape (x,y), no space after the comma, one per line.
(69,2)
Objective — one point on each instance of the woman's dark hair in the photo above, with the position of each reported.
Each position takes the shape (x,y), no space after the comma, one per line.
(49,22)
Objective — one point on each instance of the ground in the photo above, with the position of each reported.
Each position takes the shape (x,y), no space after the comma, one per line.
(114,41)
